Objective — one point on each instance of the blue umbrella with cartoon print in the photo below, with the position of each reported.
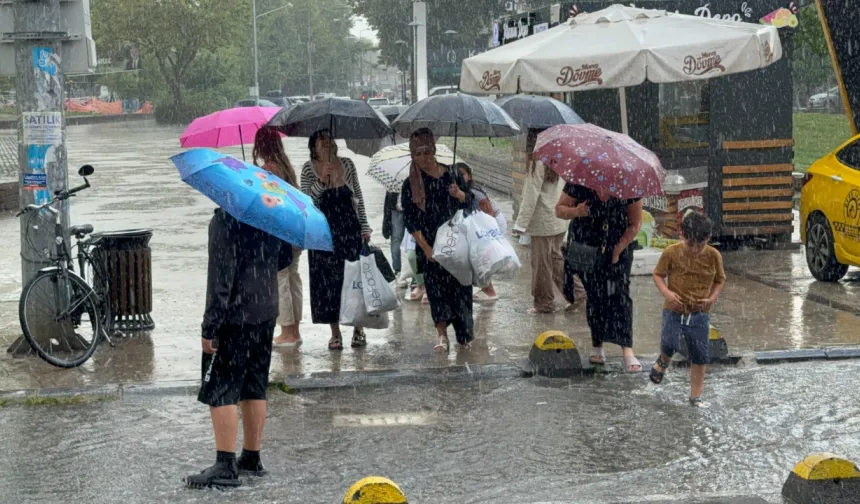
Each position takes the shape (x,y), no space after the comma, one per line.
(255,197)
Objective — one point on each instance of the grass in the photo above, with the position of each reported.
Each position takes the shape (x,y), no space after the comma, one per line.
(815,135)
(283,387)
(37,400)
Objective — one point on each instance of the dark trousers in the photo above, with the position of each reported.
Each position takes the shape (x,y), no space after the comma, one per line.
(610,309)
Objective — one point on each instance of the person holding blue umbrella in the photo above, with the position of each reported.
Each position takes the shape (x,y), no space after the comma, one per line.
(256,211)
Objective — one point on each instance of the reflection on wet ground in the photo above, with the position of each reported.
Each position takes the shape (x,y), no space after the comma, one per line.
(136,186)
(608,439)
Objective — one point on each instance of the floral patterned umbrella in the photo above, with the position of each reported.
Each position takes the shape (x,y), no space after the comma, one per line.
(607,162)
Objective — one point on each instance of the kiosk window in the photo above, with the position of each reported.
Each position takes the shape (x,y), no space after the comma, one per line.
(684,114)
(850,155)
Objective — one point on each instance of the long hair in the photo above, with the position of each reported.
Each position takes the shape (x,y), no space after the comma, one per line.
(312,142)
(468,169)
(549,175)
(269,148)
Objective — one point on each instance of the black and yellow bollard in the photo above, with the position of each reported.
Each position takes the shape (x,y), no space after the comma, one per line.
(554,355)
(718,349)
(374,490)
(823,478)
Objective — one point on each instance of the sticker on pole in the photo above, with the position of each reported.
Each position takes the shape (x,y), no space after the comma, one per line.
(43,128)
(35,181)
(45,60)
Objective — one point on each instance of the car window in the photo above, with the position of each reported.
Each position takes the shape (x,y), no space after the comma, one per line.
(850,155)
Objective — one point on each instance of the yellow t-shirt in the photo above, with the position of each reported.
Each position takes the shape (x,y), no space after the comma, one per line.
(690,276)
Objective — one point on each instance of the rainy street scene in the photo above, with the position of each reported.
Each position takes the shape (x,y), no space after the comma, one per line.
(394,251)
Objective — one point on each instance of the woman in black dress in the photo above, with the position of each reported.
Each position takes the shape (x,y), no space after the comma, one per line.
(431,196)
(596,220)
(332,183)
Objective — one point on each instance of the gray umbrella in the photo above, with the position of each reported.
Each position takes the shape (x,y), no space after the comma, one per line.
(456,115)
(538,112)
(344,118)
(392,111)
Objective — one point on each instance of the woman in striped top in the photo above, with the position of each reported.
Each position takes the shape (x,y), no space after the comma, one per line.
(332,183)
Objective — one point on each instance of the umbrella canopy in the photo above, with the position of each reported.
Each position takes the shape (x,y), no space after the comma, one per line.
(392,111)
(602,160)
(456,115)
(344,118)
(226,128)
(390,166)
(255,197)
(538,112)
(620,47)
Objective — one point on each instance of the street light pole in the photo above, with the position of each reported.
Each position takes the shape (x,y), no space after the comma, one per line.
(310,58)
(256,61)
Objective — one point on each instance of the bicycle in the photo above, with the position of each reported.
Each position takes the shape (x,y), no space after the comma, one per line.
(67,329)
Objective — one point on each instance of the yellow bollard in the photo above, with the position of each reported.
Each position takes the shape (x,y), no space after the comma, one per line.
(374,490)
(823,478)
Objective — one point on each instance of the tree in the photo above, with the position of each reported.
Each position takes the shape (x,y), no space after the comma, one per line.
(171,33)
(811,65)
(391,18)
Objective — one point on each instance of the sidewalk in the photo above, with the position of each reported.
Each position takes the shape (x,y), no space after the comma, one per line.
(136,186)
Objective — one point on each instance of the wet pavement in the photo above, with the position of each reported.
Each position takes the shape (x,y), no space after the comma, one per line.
(136,186)
(614,438)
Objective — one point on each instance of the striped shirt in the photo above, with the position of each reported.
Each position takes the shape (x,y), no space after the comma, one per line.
(312,186)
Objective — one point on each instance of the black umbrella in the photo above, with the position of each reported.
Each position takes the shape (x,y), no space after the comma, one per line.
(456,115)
(392,111)
(538,112)
(344,118)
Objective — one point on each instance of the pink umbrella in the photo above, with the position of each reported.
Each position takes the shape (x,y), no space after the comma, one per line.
(609,163)
(225,128)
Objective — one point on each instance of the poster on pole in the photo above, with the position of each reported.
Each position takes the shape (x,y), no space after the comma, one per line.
(43,128)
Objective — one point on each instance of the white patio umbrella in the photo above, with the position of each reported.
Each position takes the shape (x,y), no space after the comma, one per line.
(619,47)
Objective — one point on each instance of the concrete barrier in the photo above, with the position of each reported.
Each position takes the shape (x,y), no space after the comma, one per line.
(374,490)
(823,478)
(554,355)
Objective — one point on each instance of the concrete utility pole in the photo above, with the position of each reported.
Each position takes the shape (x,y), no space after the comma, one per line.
(310,58)
(42,163)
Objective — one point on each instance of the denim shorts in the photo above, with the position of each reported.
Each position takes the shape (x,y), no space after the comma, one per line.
(694,326)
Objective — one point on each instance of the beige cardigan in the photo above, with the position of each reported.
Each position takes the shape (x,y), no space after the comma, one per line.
(537,207)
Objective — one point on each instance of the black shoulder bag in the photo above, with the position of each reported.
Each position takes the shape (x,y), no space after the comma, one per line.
(585,258)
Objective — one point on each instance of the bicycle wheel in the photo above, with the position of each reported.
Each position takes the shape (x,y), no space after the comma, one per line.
(60,318)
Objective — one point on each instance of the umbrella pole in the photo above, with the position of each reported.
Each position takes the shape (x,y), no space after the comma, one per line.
(455,143)
(242,143)
(622,99)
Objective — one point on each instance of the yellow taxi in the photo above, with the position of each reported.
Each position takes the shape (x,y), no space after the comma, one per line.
(830,212)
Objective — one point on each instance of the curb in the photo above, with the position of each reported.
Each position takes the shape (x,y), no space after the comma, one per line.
(815,298)
(304,382)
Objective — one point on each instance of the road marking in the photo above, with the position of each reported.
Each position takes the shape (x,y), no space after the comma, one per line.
(383,420)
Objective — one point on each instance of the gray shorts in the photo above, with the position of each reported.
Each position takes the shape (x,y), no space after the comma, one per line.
(695,327)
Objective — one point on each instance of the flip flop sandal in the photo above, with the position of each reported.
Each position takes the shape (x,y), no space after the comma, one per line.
(632,362)
(697,402)
(535,311)
(359,340)
(335,344)
(482,296)
(425,299)
(657,376)
(598,357)
(442,347)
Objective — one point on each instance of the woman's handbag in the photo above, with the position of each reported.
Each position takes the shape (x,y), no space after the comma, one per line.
(586,258)
(381,262)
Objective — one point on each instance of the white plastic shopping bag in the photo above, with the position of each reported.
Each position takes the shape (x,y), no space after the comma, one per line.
(352,309)
(451,249)
(379,297)
(490,253)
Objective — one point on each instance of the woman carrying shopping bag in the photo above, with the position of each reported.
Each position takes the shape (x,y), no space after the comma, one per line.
(269,149)
(332,182)
(431,197)
(541,191)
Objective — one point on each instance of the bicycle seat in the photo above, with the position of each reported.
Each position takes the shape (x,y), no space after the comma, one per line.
(81,230)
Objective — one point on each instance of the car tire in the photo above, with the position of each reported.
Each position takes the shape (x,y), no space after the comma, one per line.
(820,256)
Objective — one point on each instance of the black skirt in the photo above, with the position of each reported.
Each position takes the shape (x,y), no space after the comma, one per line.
(326,268)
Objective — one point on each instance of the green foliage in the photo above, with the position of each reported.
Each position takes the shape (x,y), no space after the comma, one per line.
(812,69)
(391,19)
(171,36)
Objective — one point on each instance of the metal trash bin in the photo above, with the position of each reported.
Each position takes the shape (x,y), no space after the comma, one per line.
(126,261)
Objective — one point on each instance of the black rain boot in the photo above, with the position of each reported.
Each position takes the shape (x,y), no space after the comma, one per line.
(223,473)
(250,464)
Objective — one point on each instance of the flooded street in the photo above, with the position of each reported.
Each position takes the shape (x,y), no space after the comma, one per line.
(610,439)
